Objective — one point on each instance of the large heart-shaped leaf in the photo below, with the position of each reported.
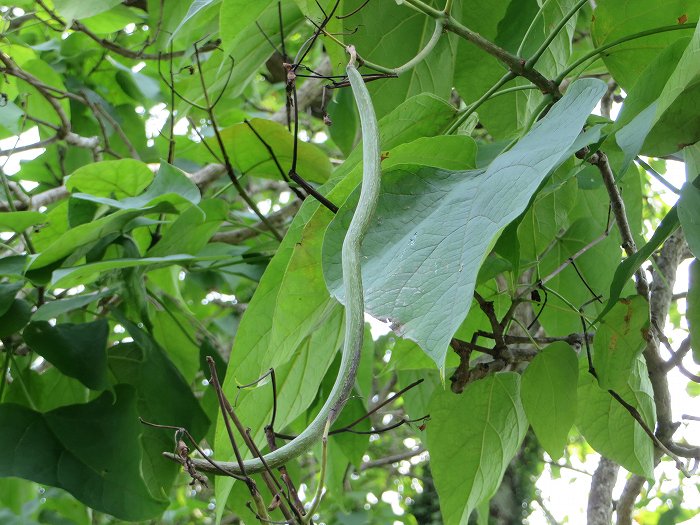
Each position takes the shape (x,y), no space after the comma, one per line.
(91,450)
(77,350)
(433,228)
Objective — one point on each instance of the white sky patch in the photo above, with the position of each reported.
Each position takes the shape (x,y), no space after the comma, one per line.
(12,164)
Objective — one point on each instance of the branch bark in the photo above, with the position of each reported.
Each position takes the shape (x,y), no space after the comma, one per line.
(201,178)
(600,506)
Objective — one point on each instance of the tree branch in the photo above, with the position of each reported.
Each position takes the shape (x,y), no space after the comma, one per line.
(600,498)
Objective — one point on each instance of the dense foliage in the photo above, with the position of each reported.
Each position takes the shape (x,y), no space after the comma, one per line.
(177,182)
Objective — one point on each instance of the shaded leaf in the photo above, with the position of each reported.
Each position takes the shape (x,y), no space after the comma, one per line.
(410,31)
(689,215)
(170,185)
(77,9)
(693,308)
(162,396)
(192,229)
(619,340)
(15,317)
(52,309)
(8,291)
(77,350)
(73,447)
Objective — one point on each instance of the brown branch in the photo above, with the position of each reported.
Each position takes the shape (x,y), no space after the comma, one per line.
(201,178)
(120,50)
(278,219)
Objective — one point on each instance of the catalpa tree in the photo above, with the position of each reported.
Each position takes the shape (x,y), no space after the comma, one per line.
(212,210)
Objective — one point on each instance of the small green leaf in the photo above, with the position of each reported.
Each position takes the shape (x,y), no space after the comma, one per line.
(69,241)
(53,309)
(549,394)
(70,276)
(15,317)
(689,215)
(77,9)
(116,179)
(629,266)
(8,291)
(191,230)
(693,309)
(18,221)
(608,426)
(195,7)
(77,350)
(472,438)
(619,340)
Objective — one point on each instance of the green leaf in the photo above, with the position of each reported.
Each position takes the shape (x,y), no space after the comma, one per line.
(53,309)
(77,350)
(250,156)
(77,9)
(693,308)
(82,235)
(8,291)
(660,116)
(48,390)
(175,333)
(613,19)
(297,386)
(619,340)
(471,439)
(629,266)
(15,317)
(116,179)
(10,115)
(433,228)
(195,7)
(18,221)
(410,31)
(249,48)
(549,394)
(145,365)
(170,185)
(73,448)
(689,215)
(192,229)
(235,16)
(608,426)
(71,276)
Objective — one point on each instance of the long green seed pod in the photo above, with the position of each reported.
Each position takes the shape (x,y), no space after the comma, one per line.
(354,302)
